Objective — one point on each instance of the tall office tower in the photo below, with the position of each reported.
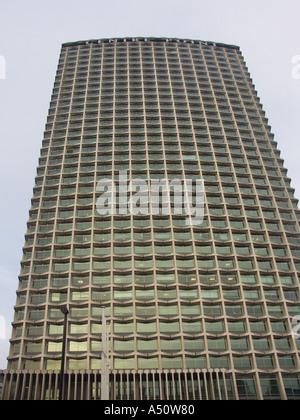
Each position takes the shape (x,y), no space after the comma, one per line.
(195,310)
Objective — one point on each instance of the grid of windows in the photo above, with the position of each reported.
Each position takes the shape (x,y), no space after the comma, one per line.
(219,295)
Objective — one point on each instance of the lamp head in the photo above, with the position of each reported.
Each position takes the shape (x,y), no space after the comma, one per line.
(64,310)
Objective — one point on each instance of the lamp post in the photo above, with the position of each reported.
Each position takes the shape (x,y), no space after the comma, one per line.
(65,311)
(104,359)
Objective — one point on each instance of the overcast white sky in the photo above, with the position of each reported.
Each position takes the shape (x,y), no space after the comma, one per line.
(31,34)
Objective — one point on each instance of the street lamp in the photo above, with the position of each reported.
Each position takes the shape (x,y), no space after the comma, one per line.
(65,311)
(104,359)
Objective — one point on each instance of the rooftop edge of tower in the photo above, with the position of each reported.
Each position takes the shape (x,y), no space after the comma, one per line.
(149,39)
